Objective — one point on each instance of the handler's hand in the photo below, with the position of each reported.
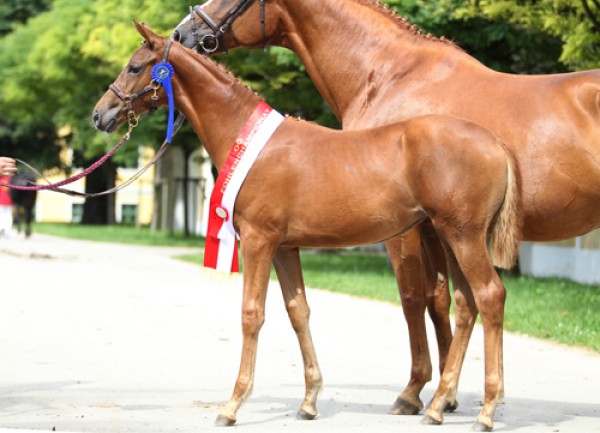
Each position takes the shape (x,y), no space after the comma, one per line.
(8,166)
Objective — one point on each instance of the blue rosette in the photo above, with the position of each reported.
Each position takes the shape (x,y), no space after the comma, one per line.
(162,73)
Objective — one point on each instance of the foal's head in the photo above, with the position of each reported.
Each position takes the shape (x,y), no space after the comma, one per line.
(218,25)
(134,92)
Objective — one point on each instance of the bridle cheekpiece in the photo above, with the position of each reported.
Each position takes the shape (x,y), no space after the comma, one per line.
(210,43)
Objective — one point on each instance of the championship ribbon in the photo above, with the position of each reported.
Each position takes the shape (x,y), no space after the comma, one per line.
(220,251)
(162,73)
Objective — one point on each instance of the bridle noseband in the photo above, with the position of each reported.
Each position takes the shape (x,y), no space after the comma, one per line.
(132,117)
(211,42)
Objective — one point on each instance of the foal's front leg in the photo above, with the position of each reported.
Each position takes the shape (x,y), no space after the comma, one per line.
(289,272)
(257,256)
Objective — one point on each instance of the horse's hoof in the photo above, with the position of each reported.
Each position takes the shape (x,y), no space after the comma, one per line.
(451,407)
(428,420)
(223,421)
(479,426)
(403,407)
(305,416)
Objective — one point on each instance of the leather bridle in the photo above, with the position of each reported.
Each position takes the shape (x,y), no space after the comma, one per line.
(132,117)
(212,42)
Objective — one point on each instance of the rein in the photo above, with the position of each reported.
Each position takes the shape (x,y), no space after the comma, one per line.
(211,43)
(161,75)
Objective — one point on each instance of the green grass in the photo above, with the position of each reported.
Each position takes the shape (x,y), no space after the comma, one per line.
(118,234)
(553,309)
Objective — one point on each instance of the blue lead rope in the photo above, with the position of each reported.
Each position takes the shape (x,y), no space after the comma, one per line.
(162,73)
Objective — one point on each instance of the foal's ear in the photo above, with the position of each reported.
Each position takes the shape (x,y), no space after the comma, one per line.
(146,32)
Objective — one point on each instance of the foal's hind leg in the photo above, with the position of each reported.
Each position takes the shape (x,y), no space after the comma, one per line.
(437,293)
(417,266)
(465,316)
(488,295)
(289,272)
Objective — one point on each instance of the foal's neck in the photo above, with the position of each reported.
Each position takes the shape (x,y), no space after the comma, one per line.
(214,102)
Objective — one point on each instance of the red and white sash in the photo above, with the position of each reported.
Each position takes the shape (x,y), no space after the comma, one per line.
(221,249)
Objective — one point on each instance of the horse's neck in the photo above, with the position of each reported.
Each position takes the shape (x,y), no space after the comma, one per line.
(351,62)
(212,100)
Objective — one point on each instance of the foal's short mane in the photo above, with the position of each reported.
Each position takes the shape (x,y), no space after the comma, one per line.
(403,22)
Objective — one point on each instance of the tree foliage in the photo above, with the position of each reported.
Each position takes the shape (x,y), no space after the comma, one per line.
(499,44)
(576,23)
(19,11)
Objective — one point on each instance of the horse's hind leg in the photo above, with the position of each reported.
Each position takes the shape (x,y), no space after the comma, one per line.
(28,217)
(417,266)
(18,217)
(289,272)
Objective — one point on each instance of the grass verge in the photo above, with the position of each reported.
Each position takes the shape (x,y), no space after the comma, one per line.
(552,309)
(119,234)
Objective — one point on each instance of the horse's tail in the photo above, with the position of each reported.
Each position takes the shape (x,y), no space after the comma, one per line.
(506,234)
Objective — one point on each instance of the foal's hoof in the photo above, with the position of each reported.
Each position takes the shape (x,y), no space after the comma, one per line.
(428,420)
(479,426)
(223,421)
(451,407)
(305,416)
(403,407)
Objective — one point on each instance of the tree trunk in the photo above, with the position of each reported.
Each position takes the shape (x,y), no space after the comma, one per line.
(100,210)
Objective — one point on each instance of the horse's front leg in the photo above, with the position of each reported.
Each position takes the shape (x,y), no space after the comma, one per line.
(257,257)
(289,273)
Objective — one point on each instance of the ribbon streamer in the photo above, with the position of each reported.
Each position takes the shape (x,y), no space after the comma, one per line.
(162,73)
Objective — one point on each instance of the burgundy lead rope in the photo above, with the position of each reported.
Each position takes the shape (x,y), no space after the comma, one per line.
(57,185)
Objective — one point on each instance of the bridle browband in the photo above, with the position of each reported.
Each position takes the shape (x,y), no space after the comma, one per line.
(211,42)
(132,117)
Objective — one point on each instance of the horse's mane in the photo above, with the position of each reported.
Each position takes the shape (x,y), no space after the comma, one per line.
(222,67)
(402,22)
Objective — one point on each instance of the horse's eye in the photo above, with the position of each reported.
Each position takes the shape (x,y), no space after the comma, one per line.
(135,69)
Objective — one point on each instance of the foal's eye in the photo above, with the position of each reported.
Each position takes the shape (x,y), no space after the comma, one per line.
(134,69)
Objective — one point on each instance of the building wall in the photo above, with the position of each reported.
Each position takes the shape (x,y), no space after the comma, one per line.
(57,207)
(576,259)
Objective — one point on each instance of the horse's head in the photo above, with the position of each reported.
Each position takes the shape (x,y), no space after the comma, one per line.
(134,92)
(219,25)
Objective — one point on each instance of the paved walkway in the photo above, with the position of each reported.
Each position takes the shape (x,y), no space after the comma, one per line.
(110,338)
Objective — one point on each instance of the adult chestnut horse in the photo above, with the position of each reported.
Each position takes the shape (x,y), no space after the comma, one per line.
(316,187)
(373,68)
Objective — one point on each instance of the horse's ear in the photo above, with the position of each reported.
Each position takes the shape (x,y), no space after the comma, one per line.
(146,32)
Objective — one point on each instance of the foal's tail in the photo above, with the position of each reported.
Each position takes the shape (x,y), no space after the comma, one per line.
(506,234)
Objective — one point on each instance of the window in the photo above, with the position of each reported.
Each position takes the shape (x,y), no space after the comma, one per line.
(129,214)
(76,212)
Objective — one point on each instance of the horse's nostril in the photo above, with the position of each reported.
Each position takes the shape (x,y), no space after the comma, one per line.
(96,117)
(176,36)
